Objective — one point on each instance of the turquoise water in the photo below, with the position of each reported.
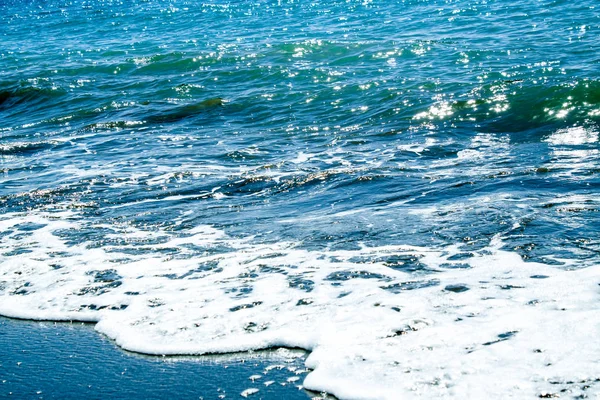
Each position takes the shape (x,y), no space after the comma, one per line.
(285,154)
(396,105)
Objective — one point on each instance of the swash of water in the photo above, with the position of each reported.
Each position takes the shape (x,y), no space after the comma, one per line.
(408,189)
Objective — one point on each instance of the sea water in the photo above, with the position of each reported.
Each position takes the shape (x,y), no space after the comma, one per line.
(69,361)
(407,189)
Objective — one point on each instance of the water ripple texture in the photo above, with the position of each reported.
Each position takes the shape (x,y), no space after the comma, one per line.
(409,189)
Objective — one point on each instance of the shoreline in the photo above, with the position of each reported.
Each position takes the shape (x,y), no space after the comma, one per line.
(45,359)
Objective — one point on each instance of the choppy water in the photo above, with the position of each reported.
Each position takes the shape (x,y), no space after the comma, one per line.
(407,188)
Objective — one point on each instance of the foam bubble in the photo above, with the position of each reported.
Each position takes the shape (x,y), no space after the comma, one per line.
(249,392)
(489,325)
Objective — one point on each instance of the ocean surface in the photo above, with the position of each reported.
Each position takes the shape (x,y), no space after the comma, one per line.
(409,190)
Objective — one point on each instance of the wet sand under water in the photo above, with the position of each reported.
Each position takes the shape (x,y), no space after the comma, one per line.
(47,360)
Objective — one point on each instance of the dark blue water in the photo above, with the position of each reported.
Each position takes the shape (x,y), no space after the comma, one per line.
(290,132)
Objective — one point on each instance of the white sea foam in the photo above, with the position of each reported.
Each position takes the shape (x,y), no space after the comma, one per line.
(249,392)
(492,326)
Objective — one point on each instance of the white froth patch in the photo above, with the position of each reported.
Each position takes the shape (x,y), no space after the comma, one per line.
(495,328)
(249,392)
(301,158)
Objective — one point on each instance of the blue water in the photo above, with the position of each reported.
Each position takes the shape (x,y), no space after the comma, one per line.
(248,86)
(70,361)
(329,124)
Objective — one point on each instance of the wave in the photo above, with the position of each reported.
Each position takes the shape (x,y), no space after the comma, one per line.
(27,148)
(31,95)
(351,308)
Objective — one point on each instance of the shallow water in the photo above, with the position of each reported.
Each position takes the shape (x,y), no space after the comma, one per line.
(70,361)
(407,188)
